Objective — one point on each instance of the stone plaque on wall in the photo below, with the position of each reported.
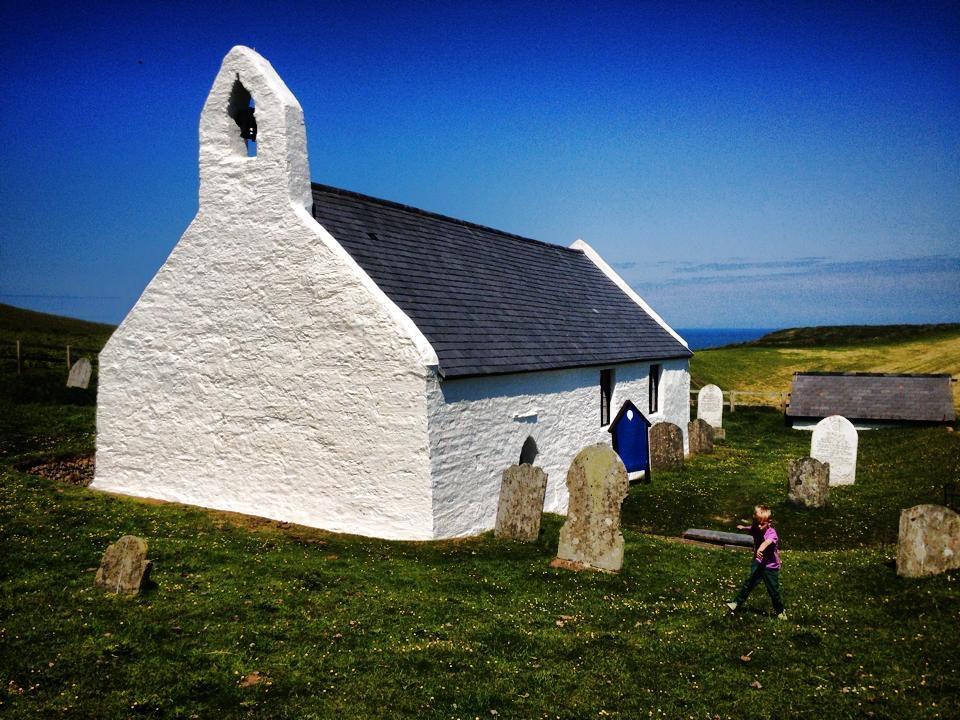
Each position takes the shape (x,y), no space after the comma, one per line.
(666,447)
(521,503)
(80,374)
(808,482)
(835,441)
(710,405)
(929,541)
(591,538)
(700,436)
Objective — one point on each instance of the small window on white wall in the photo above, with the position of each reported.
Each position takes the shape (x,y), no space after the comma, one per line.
(607,380)
(655,372)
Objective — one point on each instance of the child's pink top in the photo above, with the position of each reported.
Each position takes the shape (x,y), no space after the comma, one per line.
(771,555)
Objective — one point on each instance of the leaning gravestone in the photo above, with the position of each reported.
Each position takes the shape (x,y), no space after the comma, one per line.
(808,482)
(666,447)
(591,538)
(521,503)
(700,437)
(710,408)
(835,441)
(124,568)
(929,541)
(79,376)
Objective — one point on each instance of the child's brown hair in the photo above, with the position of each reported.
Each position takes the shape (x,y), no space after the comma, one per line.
(762,513)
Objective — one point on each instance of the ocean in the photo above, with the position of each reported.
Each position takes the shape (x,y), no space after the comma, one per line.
(702,338)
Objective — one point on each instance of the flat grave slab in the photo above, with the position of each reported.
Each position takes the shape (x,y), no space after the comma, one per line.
(718,537)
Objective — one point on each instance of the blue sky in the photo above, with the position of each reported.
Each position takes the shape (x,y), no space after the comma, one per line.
(741,164)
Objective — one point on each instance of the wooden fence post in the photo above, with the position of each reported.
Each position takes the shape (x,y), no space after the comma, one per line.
(19,360)
(68,359)
(733,404)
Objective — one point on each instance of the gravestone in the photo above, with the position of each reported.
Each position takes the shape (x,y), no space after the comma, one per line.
(929,541)
(666,447)
(808,482)
(124,568)
(591,538)
(835,441)
(521,503)
(710,408)
(700,437)
(79,376)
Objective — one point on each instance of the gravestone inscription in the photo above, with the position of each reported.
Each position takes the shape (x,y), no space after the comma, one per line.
(591,538)
(79,376)
(666,447)
(835,441)
(808,482)
(521,503)
(710,407)
(929,541)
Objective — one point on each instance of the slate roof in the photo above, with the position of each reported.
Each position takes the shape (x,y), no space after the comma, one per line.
(872,396)
(488,301)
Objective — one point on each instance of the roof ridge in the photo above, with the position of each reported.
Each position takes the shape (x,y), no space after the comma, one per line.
(437,216)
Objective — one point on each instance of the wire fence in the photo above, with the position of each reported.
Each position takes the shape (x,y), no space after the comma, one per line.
(27,355)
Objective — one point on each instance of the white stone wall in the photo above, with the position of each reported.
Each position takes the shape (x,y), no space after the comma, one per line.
(478,426)
(262,371)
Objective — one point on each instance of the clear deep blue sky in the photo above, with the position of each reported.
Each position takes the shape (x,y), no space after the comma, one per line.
(745,164)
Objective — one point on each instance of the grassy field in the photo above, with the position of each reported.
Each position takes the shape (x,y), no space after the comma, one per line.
(251,619)
(769,363)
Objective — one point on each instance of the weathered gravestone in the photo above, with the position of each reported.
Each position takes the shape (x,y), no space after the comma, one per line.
(929,541)
(521,503)
(710,408)
(591,538)
(79,376)
(808,482)
(700,437)
(835,441)
(666,447)
(124,568)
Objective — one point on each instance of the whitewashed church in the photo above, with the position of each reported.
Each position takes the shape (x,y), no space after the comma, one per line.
(322,357)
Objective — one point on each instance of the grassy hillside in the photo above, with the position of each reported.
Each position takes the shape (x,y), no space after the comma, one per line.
(250,618)
(769,363)
(43,340)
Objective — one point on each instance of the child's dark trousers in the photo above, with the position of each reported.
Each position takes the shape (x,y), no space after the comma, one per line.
(771,578)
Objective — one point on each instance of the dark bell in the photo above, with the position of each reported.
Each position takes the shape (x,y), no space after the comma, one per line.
(247,123)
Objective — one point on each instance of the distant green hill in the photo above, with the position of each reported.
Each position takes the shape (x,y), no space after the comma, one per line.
(769,362)
(37,328)
(846,335)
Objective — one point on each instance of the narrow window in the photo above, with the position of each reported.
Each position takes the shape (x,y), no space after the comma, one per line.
(655,372)
(606,395)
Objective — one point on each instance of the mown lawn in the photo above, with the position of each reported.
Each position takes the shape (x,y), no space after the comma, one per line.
(249,619)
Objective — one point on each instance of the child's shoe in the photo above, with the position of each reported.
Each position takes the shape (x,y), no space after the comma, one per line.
(732,605)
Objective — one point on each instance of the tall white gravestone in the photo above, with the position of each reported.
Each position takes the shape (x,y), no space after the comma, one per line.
(835,441)
(710,405)
(80,374)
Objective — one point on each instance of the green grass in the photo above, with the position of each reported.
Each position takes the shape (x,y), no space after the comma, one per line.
(342,626)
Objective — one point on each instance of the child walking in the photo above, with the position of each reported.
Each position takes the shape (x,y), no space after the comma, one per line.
(766,562)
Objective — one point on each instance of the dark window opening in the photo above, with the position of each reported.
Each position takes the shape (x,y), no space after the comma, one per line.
(242,109)
(655,372)
(606,395)
(528,453)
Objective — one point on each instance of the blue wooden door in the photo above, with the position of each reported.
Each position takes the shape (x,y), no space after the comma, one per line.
(630,439)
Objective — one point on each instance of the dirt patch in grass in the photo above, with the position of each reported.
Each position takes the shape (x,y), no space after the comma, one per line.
(72,470)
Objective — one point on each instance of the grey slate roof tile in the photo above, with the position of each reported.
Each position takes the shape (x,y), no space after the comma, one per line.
(872,396)
(488,301)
